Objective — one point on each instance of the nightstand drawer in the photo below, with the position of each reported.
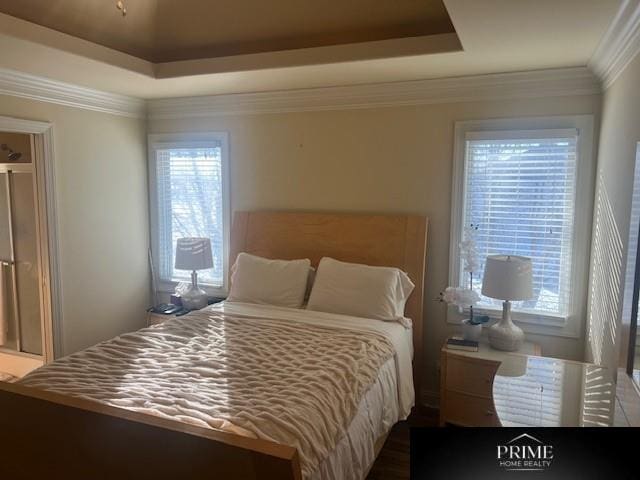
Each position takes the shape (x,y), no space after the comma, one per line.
(470,376)
(469,411)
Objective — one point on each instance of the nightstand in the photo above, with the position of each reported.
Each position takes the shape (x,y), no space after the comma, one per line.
(466,384)
(157,318)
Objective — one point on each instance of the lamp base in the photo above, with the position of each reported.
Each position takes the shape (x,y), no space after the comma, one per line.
(195,298)
(505,335)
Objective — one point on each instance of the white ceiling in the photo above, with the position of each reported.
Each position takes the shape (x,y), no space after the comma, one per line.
(496,36)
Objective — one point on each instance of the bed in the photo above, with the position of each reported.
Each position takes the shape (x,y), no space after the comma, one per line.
(162,401)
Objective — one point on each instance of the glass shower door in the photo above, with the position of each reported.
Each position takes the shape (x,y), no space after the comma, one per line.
(8,334)
(20,319)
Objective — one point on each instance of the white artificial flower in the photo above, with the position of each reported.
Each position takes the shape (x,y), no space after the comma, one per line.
(461,297)
(468,297)
(469,250)
(449,295)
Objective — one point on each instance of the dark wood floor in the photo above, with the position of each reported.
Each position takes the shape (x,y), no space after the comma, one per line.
(393,461)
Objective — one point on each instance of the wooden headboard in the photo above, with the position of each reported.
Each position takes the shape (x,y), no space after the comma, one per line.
(385,240)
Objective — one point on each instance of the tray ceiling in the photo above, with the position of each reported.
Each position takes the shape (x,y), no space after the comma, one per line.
(490,36)
(168,30)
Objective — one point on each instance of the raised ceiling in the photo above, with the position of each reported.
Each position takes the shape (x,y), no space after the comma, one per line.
(169,30)
(491,36)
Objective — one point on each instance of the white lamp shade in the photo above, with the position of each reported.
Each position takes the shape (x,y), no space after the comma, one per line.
(507,277)
(193,253)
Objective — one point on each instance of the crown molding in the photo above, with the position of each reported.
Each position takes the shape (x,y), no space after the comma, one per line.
(18,84)
(532,84)
(619,45)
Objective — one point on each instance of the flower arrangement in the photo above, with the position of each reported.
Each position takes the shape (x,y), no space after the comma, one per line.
(466,297)
(469,250)
(460,297)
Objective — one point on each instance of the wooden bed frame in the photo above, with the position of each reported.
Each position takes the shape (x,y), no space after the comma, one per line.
(47,435)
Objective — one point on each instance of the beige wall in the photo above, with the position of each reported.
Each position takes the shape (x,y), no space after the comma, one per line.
(101,189)
(378,160)
(619,135)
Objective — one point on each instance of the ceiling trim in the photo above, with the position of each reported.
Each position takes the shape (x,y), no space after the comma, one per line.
(18,84)
(348,52)
(619,45)
(531,84)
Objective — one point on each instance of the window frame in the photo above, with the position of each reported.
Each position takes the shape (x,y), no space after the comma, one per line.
(188,140)
(546,324)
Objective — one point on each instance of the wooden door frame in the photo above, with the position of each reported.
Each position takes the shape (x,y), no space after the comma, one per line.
(47,228)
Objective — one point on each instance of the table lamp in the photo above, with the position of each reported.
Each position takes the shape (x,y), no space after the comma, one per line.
(507,277)
(193,253)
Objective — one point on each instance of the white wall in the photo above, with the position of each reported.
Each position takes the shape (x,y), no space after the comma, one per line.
(377,160)
(619,134)
(101,189)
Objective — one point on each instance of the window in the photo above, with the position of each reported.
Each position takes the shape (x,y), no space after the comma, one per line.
(189,179)
(519,188)
(520,194)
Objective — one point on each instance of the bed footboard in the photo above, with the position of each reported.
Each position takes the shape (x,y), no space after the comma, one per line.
(47,435)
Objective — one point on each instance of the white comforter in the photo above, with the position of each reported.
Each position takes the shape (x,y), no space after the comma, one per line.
(292,376)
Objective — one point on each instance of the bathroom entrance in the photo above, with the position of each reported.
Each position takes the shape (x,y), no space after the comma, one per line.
(24,304)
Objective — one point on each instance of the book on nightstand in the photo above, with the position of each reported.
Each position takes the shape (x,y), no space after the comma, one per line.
(457,343)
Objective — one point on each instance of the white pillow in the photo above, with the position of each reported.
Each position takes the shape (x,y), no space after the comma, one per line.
(360,290)
(273,282)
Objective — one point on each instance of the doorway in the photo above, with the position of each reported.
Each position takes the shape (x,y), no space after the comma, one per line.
(28,296)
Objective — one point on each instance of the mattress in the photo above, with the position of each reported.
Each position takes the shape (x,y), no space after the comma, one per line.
(327,384)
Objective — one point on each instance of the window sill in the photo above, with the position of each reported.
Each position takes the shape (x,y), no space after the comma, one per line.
(521,317)
(530,323)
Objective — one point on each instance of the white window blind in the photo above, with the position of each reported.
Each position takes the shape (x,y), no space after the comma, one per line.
(190,199)
(520,190)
